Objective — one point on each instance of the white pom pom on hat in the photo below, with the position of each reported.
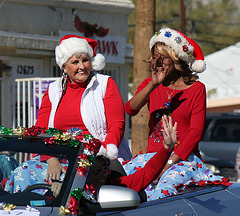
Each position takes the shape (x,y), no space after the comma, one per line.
(72,44)
(184,47)
(98,62)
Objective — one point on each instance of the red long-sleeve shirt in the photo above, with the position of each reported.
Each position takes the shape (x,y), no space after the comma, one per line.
(188,109)
(143,177)
(68,114)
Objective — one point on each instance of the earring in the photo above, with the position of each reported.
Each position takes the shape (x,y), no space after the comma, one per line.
(65,75)
(64,82)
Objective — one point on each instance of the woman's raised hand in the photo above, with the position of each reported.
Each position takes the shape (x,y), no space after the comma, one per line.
(158,72)
(169,132)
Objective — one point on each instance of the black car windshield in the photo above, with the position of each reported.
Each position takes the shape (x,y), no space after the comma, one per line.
(23,171)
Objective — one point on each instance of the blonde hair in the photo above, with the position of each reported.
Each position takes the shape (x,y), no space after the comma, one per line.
(180,66)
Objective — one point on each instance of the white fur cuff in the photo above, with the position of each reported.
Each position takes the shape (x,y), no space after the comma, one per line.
(111,152)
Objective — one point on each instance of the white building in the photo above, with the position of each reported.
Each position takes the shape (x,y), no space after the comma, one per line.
(222,79)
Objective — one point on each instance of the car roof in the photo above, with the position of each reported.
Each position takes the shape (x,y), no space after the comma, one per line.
(223,116)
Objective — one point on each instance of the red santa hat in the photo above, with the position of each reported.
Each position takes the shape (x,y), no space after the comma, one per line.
(185,48)
(73,44)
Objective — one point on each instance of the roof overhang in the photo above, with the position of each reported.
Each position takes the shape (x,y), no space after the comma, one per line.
(223,102)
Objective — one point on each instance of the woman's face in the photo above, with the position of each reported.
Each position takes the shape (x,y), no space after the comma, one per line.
(78,68)
(160,60)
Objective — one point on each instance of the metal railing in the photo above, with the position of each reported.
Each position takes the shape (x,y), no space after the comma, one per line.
(29,94)
(21,100)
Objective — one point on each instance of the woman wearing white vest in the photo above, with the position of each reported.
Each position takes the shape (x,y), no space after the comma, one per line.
(83,99)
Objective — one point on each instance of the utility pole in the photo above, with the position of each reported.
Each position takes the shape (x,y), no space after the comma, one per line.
(182,16)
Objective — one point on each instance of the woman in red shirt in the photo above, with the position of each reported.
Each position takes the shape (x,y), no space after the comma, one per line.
(173,90)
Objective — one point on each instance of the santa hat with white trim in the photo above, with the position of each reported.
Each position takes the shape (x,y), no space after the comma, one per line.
(185,48)
(72,44)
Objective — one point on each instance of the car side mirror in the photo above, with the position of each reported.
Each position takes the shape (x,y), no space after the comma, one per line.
(110,196)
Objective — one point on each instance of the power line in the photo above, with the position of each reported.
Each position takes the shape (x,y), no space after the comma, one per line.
(224,35)
(214,23)
(211,42)
(159,22)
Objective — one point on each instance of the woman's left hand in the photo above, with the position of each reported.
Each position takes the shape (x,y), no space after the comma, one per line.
(54,170)
(169,132)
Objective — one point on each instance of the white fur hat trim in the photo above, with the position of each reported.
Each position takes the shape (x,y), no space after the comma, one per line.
(69,47)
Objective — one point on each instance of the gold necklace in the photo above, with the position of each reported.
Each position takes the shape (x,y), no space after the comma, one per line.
(170,95)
